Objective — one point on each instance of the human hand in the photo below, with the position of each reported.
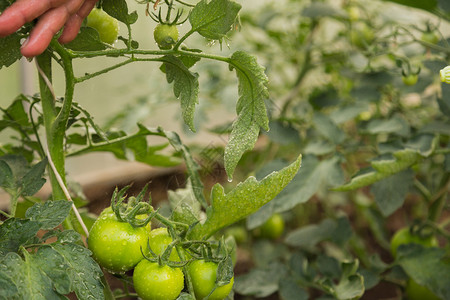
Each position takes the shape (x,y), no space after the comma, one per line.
(52,14)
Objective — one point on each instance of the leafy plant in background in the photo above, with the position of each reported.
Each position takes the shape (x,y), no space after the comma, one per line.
(354,89)
(43,255)
(375,149)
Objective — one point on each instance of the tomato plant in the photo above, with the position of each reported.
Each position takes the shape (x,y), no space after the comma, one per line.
(325,77)
(157,282)
(204,274)
(106,26)
(115,244)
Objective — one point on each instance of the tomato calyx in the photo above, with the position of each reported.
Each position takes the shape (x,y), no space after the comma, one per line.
(135,206)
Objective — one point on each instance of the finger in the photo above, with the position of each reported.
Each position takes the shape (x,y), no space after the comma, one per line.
(24,11)
(73,24)
(48,25)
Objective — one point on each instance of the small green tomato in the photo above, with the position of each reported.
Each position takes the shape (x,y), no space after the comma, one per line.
(116,245)
(203,275)
(415,291)
(165,35)
(430,37)
(154,282)
(410,79)
(159,239)
(273,228)
(404,236)
(106,26)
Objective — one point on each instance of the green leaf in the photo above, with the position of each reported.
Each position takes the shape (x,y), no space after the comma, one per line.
(50,213)
(313,176)
(290,290)
(9,50)
(31,282)
(185,296)
(83,271)
(15,116)
(6,175)
(390,193)
(213,19)
(351,287)
(185,206)
(429,267)
(243,200)
(320,10)
(87,40)
(9,288)
(444,102)
(381,169)
(191,165)
(224,272)
(185,87)
(119,9)
(32,181)
(395,125)
(328,128)
(309,236)
(283,134)
(133,147)
(251,109)
(260,282)
(15,233)
(54,266)
(429,5)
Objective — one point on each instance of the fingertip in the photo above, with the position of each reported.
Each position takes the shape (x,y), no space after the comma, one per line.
(35,45)
(71,29)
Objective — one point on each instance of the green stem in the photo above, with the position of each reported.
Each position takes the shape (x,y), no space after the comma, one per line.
(13,203)
(440,199)
(6,214)
(54,142)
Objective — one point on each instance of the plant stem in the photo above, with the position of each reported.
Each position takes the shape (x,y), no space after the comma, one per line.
(54,142)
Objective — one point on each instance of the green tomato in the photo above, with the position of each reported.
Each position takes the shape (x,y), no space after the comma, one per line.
(415,291)
(106,26)
(238,232)
(154,282)
(116,245)
(353,13)
(404,236)
(159,239)
(410,79)
(430,37)
(165,35)
(361,35)
(273,228)
(203,275)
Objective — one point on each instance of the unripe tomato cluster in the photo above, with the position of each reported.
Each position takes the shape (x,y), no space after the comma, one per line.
(117,246)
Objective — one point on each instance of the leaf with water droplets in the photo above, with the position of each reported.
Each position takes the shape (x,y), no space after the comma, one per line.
(49,214)
(214,19)
(246,198)
(15,233)
(83,271)
(28,278)
(185,86)
(250,108)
